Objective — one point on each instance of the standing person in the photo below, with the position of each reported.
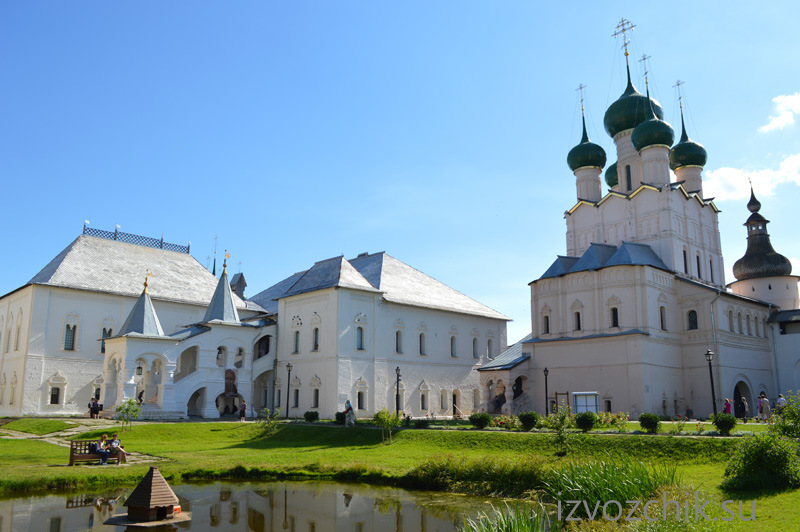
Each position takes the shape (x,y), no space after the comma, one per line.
(781,404)
(95,409)
(349,414)
(242,410)
(141,397)
(765,409)
(745,410)
(728,404)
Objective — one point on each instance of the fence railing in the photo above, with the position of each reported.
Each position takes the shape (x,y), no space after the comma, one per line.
(135,239)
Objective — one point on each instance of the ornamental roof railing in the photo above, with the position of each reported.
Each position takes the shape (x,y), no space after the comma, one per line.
(135,239)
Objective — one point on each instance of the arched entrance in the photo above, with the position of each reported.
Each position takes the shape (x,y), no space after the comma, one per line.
(194,407)
(456,407)
(228,401)
(742,391)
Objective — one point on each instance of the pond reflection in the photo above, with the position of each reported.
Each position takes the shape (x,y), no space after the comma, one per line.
(256,507)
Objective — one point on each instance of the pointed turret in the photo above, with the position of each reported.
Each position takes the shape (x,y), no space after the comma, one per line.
(222,306)
(687,159)
(143,318)
(652,139)
(760,259)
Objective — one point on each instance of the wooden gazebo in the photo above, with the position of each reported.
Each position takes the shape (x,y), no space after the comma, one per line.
(152,499)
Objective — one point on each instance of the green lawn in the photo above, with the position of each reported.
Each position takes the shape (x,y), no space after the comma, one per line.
(236,450)
(38,426)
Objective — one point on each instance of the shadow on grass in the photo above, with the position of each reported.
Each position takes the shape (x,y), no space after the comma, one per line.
(305,436)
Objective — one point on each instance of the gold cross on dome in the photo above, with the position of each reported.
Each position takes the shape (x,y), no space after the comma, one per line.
(580,88)
(623,28)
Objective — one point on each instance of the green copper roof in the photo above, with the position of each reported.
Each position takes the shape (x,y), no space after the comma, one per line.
(686,152)
(629,110)
(611,176)
(586,153)
(652,132)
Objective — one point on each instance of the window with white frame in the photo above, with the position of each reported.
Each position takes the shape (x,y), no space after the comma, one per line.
(315,339)
(359,338)
(475,351)
(398,342)
(296,345)
(69,337)
(489,348)
(691,319)
(662,314)
(315,398)
(422,344)
(453,346)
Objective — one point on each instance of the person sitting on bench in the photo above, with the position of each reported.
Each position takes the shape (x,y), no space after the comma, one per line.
(115,448)
(101,449)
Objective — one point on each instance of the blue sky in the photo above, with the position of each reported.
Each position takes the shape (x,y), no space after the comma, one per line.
(434,131)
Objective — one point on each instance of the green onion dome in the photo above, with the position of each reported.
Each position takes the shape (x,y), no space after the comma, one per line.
(686,152)
(652,132)
(586,153)
(629,110)
(611,176)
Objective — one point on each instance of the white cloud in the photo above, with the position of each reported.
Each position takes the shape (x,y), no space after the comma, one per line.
(732,183)
(786,106)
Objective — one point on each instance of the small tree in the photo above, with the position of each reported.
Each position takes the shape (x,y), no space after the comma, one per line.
(650,422)
(268,420)
(724,423)
(561,421)
(786,422)
(585,420)
(480,420)
(127,411)
(529,420)
(386,421)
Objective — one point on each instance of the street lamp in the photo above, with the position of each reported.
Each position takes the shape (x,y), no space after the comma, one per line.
(546,405)
(288,387)
(397,393)
(710,356)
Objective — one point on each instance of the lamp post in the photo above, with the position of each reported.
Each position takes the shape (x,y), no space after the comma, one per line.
(546,404)
(397,393)
(288,387)
(710,356)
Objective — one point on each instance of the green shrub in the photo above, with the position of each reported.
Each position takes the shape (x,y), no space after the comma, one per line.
(340,418)
(724,423)
(480,420)
(422,423)
(311,416)
(787,421)
(585,420)
(650,423)
(268,420)
(763,461)
(387,421)
(529,420)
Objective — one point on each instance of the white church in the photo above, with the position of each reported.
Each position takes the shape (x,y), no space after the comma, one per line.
(94,323)
(625,319)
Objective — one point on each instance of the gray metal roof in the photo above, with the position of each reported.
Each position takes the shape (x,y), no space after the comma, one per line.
(785,316)
(189,332)
(102,265)
(142,319)
(603,256)
(587,337)
(329,273)
(509,358)
(222,306)
(379,272)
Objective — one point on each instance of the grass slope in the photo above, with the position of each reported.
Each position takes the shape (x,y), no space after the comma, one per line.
(38,426)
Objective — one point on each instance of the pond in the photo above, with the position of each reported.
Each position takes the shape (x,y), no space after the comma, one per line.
(256,507)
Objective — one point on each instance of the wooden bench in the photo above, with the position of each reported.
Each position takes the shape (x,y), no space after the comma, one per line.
(79,452)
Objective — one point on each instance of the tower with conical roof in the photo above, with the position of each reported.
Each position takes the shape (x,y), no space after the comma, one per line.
(763,273)
(586,160)
(222,307)
(142,319)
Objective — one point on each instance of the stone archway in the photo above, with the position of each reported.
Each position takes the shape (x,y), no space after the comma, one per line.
(742,391)
(194,407)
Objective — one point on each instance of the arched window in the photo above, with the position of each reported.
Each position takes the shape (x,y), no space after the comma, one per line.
(423,401)
(55,393)
(546,325)
(577,317)
(453,346)
(222,357)
(315,339)
(685,262)
(711,270)
(315,398)
(262,346)
(360,401)
(475,353)
(360,338)
(692,320)
(69,337)
(614,317)
(296,346)
(662,314)
(398,342)
(295,398)
(489,348)
(730,320)
(739,322)
(443,400)
(749,328)
(699,273)
(238,360)
(422,344)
